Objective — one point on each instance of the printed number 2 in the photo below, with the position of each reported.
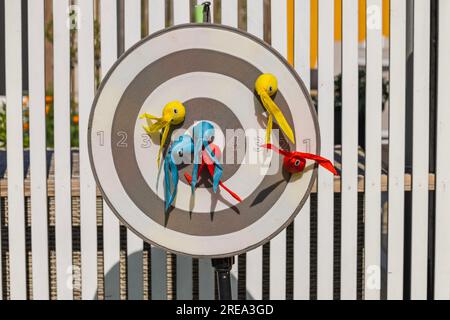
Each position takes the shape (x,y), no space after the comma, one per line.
(123,139)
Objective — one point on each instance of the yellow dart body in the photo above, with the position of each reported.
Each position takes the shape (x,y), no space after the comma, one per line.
(266,86)
(173,114)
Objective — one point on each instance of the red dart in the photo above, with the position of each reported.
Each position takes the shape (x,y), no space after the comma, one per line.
(294,162)
(206,161)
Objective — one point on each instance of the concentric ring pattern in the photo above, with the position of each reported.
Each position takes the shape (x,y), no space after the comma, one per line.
(212,70)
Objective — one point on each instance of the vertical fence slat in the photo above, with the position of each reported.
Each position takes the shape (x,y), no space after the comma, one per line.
(184,277)
(184,263)
(63,201)
(396,149)
(158,256)
(156,15)
(372,207)
(230,13)
(255,18)
(255,25)
(230,18)
(302,222)
(421,110)
(181,12)
(325,180)
(302,40)
(206,279)
(38,164)
(350,111)
(254,274)
(278,244)
(159,274)
(16,206)
(134,243)
(88,197)
(442,249)
(234,279)
(111,233)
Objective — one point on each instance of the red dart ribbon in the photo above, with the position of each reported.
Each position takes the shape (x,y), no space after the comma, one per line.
(206,161)
(325,163)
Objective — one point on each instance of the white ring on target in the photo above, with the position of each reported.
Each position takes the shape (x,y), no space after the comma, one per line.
(131,64)
(240,102)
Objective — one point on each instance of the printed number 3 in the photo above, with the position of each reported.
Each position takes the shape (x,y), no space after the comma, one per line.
(146,142)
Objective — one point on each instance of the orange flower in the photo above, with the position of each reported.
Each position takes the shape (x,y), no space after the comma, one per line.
(47,109)
(48,99)
(25,100)
(75,118)
(26,126)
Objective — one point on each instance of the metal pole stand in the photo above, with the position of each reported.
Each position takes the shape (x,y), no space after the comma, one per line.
(222,269)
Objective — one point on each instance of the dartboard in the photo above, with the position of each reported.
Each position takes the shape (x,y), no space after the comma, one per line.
(212,70)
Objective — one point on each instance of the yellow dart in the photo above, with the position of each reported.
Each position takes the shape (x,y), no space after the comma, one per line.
(266,86)
(173,114)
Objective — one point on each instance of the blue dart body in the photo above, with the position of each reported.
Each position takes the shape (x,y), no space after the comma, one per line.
(203,136)
(179,151)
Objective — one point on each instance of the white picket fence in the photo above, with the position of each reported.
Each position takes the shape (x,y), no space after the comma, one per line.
(372,183)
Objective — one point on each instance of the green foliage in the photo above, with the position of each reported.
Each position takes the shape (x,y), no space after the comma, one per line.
(49,122)
(2,125)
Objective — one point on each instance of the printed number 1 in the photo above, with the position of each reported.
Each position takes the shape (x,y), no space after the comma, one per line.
(101,137)
(307,143)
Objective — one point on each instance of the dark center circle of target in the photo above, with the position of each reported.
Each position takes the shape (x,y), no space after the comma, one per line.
(254,206)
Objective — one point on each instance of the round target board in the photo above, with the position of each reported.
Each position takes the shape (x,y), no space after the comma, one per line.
(212,70)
